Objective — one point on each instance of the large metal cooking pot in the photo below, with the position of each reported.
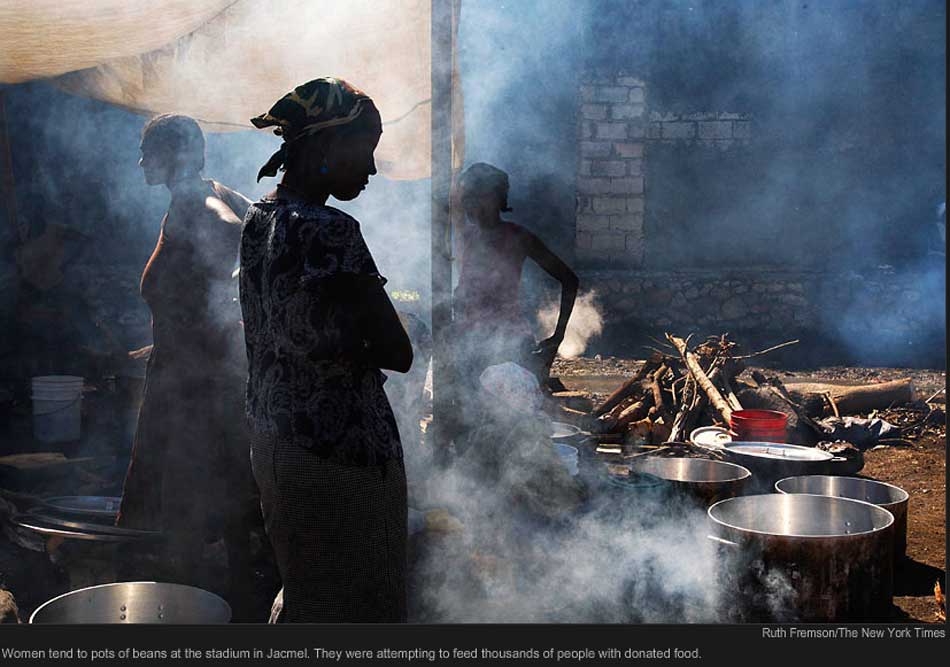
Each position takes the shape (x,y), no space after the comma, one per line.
(709,481)
(135,602)
(817,558)
(892,498)
(772,461)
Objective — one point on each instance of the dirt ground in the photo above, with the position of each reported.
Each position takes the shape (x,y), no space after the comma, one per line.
(919,467)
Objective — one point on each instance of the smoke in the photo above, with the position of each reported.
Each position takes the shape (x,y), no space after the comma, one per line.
(615,560)
(586,322)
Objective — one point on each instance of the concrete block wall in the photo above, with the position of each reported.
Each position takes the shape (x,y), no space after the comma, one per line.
(615,128)
(612,127)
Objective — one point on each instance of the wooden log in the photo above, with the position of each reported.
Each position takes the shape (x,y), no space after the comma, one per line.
(638,433)
(686,419)
(631,385)
(730,394)
(861,399)
(576,400)
(657,390)
(635,412)
(692,365)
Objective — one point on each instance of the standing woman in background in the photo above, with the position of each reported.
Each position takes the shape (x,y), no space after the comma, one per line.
(319,327)
(190,475)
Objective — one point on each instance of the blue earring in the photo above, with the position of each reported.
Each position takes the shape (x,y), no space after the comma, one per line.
(324,169)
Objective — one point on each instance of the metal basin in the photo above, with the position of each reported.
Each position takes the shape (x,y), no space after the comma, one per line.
(87,506)
(709,481)
(135,602)
(892,498)
(831,558)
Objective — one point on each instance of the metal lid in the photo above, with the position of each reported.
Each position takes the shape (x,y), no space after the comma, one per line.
(710,437)
(778,451)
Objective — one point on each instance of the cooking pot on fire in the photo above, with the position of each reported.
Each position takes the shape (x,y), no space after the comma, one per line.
(810,557)
(135,602)
(708,481)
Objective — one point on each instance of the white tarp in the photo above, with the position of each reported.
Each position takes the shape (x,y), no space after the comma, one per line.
(42,38)
(243,59)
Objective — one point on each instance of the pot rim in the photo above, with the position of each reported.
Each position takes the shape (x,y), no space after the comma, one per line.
(751,531)
(743,472)
(51,601)
(894,503)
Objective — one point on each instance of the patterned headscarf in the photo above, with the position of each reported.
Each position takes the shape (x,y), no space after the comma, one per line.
(307,109)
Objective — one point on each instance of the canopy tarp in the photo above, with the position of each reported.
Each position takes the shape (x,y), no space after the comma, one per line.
(226,65)
(42,38)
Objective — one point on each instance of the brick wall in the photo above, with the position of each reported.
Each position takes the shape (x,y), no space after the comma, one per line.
(874,316)
(615,128)
(612,128)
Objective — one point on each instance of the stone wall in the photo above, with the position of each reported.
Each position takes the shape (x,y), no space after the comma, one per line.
(878,317)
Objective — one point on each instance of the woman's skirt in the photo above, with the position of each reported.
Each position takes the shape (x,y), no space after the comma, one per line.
(338,533)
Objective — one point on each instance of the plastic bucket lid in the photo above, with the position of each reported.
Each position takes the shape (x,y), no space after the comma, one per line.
(57,380)
(57,387)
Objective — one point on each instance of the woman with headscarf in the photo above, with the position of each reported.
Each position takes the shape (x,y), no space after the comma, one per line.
(319,327)
(189,475)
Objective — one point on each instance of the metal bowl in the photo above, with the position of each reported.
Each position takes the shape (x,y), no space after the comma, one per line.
(892,498)
(707,480)
(135,602)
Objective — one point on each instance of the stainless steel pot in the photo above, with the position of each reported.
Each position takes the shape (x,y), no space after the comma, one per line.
(817,558)
(892,498)
(709,481)
(135,602)
(772,461)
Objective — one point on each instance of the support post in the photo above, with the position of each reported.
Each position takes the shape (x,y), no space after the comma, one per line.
(441,173)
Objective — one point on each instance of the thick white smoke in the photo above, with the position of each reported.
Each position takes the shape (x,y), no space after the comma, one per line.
(587,321)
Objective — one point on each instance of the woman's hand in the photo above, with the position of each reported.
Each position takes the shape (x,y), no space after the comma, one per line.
(547,349)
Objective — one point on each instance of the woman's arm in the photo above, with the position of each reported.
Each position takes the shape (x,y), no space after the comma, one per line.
(556,268)
(387,342)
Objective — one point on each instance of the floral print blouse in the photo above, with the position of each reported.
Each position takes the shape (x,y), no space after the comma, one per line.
(302,267)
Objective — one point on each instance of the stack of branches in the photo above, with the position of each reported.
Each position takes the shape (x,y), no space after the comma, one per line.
(678,389)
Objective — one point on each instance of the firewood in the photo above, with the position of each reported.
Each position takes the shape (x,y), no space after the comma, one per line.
(576,400)
(687,416)
(941,602)
(692,364)
(634,413)
(631,385)
(638,433)
(662,431)
(576,417)
(656,389)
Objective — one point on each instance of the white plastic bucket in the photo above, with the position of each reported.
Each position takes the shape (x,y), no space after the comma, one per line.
(57,408)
